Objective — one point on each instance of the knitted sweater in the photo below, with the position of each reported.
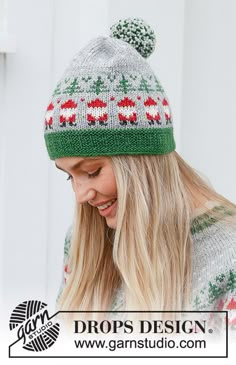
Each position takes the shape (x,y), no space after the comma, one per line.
(213,262)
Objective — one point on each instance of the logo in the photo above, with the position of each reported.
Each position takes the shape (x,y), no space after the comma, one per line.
(34,325)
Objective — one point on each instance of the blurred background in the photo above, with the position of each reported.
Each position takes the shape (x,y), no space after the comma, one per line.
(195,61)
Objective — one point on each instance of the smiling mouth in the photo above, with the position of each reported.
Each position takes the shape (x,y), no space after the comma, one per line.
(105,212)
(105,206)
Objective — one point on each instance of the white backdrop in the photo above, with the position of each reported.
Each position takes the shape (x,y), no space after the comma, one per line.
(194,60)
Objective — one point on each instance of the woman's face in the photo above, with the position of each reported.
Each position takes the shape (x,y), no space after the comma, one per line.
(93,181)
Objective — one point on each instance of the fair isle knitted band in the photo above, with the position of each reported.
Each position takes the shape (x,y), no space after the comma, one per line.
(109,101)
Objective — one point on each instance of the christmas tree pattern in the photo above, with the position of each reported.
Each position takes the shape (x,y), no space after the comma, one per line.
(111,77)
(158,86)
(86,79)
(124,85)
(98,86)
(197,302)
(73,88)
(133,77)
(223,284)
(218,291)
(231,284)
(215,291)
(57,91)
(220,278)
(145,86)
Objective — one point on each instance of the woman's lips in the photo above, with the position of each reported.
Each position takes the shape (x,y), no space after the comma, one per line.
(107,211)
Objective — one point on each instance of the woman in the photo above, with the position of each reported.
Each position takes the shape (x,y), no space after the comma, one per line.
(149,233)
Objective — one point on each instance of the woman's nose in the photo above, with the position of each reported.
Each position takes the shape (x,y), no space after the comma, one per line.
(83,193)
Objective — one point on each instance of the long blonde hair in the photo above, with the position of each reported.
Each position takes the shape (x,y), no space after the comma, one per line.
(149,253)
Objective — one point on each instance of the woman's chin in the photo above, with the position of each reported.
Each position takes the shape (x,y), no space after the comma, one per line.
(111,222)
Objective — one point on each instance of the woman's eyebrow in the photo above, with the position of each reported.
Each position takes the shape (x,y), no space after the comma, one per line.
(77,165)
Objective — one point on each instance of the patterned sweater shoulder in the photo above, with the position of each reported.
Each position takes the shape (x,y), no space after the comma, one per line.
(213,263)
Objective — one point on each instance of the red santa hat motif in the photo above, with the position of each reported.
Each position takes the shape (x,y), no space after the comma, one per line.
(66,273)
(97,111)
(126,111)
(152,111)
(231,307)
(68,113)
(166,110)
(48,116)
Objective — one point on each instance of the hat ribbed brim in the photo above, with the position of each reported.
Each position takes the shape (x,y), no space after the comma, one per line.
(110,142)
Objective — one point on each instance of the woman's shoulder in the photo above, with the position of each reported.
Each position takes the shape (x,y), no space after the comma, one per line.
(214,258)
(214,238)
(216,223)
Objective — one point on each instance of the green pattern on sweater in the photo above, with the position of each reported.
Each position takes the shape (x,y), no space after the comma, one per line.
(214,264)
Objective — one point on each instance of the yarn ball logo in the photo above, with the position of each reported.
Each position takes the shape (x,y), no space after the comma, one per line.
(34,326)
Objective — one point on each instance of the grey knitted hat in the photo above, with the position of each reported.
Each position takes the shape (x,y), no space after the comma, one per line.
(109,101)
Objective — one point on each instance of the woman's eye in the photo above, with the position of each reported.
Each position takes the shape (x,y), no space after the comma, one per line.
(96,173)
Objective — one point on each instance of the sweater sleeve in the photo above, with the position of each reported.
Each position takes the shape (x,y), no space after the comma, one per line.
(219,294)
(227,296)
(214,270)
(65,274)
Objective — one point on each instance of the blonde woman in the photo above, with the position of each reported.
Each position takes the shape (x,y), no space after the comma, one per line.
(149,233)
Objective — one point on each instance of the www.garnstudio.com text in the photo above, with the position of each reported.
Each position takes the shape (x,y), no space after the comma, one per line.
(162,343)
(141,327)
(144,327)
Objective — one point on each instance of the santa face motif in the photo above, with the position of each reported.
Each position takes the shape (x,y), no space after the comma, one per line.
(48,116)
(68,113)
(166,110)
(97,111)
(152,111)
(93,182)
(127,111)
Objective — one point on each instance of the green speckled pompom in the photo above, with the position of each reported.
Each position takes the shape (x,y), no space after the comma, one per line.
(137,33)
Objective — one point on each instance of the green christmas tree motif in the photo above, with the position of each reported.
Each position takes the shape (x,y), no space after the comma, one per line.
(111,77)
(220,278)
(67,244)
(145,86)
(133,77)
(158,86)
(98,86)
(57,91)
(86,79)
(197,302)
(73,88)
(231,284)
(124,85)
(215,292)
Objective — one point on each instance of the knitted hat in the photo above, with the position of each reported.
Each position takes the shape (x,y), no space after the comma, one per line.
(109,101)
